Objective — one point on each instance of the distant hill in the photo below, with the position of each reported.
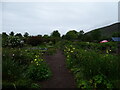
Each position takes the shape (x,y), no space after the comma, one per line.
(108,30)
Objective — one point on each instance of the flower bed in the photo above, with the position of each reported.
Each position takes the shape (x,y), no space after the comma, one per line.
(22,67)
(91,68)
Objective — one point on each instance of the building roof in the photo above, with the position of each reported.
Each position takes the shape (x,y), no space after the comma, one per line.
(116,38)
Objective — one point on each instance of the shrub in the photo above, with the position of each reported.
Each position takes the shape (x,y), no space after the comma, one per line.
(12,41)
(35,86)
(22,83)
(11,70)
(38,72)
(18,70)
(7,85)
(22,56)
(34,40)
(87,64)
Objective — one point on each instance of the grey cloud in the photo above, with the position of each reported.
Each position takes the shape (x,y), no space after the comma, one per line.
(43,18)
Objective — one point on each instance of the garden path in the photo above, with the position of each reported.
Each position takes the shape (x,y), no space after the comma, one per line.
(61,78)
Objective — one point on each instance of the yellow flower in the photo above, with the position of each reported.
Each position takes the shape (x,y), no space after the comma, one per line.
(107,51)
(73,48)
(71,51)
(35,59)
(67,55)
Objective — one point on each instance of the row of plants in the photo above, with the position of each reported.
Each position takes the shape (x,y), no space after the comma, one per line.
(18,40)
(23,67)
(109,47)
(12,41)
(91,68)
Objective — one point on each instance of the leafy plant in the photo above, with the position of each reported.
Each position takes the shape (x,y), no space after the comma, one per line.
(38,72)
(89,64)
(35,86)
(51,51)
(12,41)
(21,66)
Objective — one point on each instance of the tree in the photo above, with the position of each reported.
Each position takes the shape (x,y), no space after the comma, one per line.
(63,37)
(55,34)
(39,35)
(19,35)
(4,35)
(26,34)
(34,40)
(45,36)
(71,35)
(4,39)
(80,35)
(11,33)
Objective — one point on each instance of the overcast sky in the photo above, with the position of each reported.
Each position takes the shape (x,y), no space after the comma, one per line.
(44,18)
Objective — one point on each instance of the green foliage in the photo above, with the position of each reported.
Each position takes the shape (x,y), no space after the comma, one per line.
(26,34)
(22,56)
(71,35)
(87,38)
(34,40)
(7,85)
(46,39)
(12,41)
(51,51)
(55,34)
(116,34)
(21,66)
(11,70)
(92,65)
(98,82)
(4,35)
(81,35)
(55,37)
(22,83)
(38,72)
(35,86)
(11,33)
(96,35)
(19,35)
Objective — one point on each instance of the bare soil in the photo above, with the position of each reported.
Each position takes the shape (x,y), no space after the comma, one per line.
(61,78)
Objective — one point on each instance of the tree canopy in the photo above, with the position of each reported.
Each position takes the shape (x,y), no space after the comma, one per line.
(55,34)
(26,34)
(11,33)
(71,35)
